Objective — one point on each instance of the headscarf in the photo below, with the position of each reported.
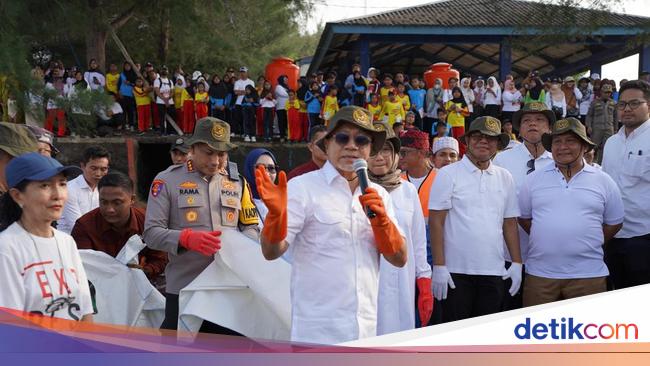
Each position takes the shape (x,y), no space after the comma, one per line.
(282,82)
(495,86)
(249,168)
(460,99)
(393,178)
(468,93)
(537,90)
(182,79)
(509,85)
(218,90)
(130,74)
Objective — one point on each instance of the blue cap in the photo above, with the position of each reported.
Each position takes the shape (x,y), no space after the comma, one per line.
(34,166)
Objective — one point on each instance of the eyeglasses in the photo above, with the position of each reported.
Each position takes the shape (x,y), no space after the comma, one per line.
(271,169)
(531,166)
(360,140)
(634,104)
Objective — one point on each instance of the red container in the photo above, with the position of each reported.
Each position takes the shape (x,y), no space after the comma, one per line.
(440,70)
(282,66)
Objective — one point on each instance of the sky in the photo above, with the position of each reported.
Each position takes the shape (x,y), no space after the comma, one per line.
(336,10)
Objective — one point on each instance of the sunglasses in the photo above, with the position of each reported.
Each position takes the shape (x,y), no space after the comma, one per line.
(531,166)
(360,140)
(272,169)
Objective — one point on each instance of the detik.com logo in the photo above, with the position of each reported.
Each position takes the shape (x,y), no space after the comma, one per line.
(569,328)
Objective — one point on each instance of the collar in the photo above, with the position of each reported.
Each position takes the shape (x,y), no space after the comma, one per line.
(639,130)
(131,228)
(473,168)
(524,149)
(586,168)
(329,172)
(83,183)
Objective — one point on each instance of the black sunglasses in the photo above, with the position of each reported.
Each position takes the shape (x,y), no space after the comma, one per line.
(531,166)
(359,140)
(269,168)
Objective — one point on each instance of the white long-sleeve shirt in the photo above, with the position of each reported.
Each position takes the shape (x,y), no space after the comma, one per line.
(511,100)
(281,96)
(81,200)
(550,102)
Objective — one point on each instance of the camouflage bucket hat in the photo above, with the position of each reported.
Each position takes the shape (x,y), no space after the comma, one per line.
(567,125)
(489,126)
(213,132)
(361,118)
(16,139)
(530,108)
(390,135)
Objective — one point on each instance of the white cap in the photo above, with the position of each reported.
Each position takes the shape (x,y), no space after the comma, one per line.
(445,143)
(595,76)
(196,75)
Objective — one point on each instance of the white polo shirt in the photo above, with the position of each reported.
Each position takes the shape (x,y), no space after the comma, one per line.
(515,161)
(477,202)
(566,236)
(335,265)
(240,85)
(627,160)
(81,200)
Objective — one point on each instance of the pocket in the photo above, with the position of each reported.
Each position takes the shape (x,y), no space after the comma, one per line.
(189,207)
(635,169)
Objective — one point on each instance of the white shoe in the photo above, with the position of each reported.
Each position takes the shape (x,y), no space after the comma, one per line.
(247,139)
(253,139)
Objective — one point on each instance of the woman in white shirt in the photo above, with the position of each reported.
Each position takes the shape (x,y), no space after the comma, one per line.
(396,298)
(555,99)
(511,98)
(281,97)
(492,98)
(40,267)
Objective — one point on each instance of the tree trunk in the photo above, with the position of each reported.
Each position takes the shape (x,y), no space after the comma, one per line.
(96,48)
(165,30)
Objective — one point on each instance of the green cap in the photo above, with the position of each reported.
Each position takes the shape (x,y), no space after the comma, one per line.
(361,118)
(567,125)
(489,126)
(213,132)
(530,108)
(16,139)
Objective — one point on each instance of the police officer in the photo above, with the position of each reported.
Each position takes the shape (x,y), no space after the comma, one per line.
(190,205)
(179,151)
(601,121)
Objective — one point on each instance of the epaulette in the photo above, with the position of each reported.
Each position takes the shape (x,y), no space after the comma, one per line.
(190,166)
(233,171)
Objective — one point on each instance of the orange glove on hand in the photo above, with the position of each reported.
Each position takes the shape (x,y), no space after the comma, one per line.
(425,300)
(275,198)
(204,242)
(387,237)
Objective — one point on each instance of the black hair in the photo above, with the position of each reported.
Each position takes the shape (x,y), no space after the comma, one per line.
(642,85)
(390,76)
(314,130)
(333,87)
(116,179)
(95,152)
(10,212)
(441,110)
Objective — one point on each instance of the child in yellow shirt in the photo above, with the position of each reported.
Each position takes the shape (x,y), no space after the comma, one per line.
(330,104)
(142,102)
(374,107)
(393,109)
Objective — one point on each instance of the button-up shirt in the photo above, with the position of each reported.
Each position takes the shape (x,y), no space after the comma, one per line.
(477,202)
(335,268)
(566,235)
(81,200)
(92,231)
(627,160)
(516,161)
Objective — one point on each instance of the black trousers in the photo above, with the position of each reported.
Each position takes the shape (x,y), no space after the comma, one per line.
(427,126)
(163,110)
(282,122)
(171,319)
(249,121)
(474,295)
(628,261)
(128,105)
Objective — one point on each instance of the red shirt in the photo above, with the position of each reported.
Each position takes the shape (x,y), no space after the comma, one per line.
(92,231)
(307,167)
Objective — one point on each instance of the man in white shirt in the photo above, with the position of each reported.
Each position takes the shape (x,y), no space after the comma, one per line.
(627,160)
(570,209)
(473,209)
(83,196)
(448,93)
(94,77)
(532,121)
(163,87)
(240,90)
(335,246)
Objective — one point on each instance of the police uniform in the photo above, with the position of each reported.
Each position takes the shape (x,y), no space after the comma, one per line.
(181,197)
(601,121)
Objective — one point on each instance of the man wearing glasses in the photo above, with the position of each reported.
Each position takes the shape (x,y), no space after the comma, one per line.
(473,209)
(601,120)
(627,160)
(532,121)
(335,246)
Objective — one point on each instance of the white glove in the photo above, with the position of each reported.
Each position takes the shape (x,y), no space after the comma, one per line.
(514,273)
(440,279)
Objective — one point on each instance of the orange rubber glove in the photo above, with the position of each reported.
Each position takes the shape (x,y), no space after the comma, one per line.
(387,237)
(425,300)
(275,198)
(204,242)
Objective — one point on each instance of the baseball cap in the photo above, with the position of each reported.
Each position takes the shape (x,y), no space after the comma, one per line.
(34,166)
(243,69)
(180,145)
(43,135)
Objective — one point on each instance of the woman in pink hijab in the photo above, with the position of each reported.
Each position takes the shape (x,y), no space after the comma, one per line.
(511,100)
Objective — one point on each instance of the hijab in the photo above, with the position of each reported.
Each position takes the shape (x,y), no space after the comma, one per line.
(249,168)
(282,82)
(460,99)
(218,90)
(393,178)
(509,86)
(468,94)
(130,74)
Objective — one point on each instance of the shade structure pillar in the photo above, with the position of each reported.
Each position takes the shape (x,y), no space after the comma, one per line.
(364,54)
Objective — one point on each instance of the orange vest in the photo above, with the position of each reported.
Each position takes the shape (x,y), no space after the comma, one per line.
(424,190)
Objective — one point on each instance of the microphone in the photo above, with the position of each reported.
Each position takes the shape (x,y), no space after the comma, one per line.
(360,167)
